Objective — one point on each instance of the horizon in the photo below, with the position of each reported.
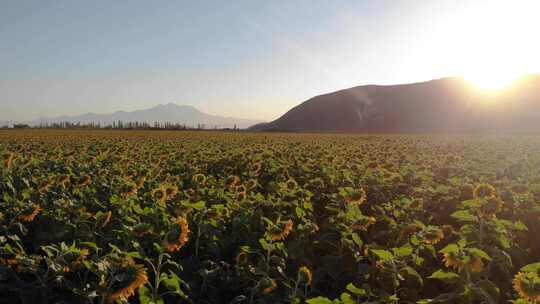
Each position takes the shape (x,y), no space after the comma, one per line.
(244,60)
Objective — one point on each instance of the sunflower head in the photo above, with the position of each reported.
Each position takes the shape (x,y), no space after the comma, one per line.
(363,223)
(241,192)
(63,180)
(452,260)
(44,186)
(291,184)
(199,179)
(104,219)
(84,181)
(282,230)
(527,285)
(8,159)
(358,197)
(30,213)
(125,279)
(242,258)
(257,168)
(159,195)
(129,190)
(251,184)
(177,237)
(484,191)
(171,191)
(490,207)
(431,235)
(232,181)
(142,229)
(267,285)
(304,275)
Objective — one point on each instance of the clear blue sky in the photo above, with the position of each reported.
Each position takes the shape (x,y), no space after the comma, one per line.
(250,59)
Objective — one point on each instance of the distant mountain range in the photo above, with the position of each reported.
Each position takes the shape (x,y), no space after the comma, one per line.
(442,105)
(171,113)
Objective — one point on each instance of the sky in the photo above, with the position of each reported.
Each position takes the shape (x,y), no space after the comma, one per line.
(246,58)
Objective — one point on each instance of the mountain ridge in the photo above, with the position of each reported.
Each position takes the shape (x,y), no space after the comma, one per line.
(170,112)
(448,104)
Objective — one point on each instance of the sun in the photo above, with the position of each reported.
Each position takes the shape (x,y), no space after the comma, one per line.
(491,81)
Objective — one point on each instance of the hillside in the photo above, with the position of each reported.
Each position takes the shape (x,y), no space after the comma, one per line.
(442,105)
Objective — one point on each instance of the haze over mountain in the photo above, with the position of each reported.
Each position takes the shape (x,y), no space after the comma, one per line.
(442,105)
(171,113)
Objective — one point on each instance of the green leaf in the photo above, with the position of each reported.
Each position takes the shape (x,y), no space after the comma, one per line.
(384,255)
(535,267)
(463,216)
(520,226)
(451,248)
(411,272)
(319,300)
(198,205)
(357,240)
(356,291)
(479,253)
(403,251)
(347,298)
(445,276)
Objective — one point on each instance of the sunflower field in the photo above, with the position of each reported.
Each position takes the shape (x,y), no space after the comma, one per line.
(214,217)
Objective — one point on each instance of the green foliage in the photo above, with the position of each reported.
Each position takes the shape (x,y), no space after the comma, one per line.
(209,217)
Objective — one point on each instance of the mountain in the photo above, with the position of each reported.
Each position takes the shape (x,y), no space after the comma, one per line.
(441,105)
(171,112)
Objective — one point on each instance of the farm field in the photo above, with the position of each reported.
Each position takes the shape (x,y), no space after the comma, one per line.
(215,217)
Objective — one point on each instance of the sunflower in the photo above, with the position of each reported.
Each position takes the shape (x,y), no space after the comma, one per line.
(363,223)
(417,203)
(83,254)
(9,261)
(171,191)
(268,285)
(84,181)
(128,278)
(251,184)
(484,191)
(8,159)
(527,284)
(178,236)
(242,258)
(459,262)
(129,190)
(257,168)
(241,192)
(142,229)
(199,179)
(63,180)
(490,207)
(291,184)
(232,181)
(408,230)
(432,235)
(105,218)
(476,264)
(31,213)
(282,230)
(44,186)
(452,260)
(304,275)
(357,197)
(159,195)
